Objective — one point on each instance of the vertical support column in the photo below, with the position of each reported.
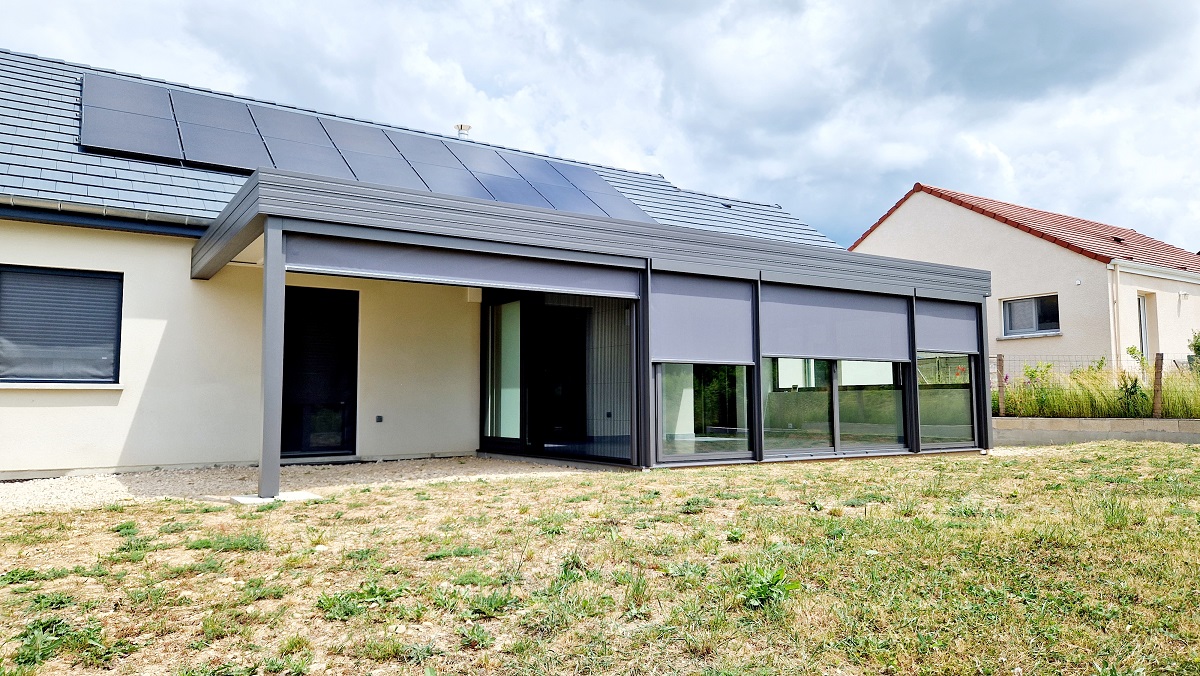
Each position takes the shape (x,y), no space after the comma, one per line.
(835,406)
(983,416)
(274,288)
(911,391)
(1158,385)
(646,391)
(756,421)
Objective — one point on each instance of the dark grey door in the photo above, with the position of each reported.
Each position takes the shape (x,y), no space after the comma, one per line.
(320,372)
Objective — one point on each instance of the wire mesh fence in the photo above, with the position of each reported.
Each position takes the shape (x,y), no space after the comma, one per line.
(1087,386)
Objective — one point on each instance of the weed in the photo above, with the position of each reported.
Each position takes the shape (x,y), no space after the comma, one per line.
(257,588)
(294,644)
(460,550)
(475,637)
(494,604)
(761,587)
(52,601)
(735,535)
(395,650)
(246,541)
(695,505)
(172,527)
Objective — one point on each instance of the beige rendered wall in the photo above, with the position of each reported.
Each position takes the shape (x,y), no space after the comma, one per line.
(1173,311)
(190,385)
(927,228)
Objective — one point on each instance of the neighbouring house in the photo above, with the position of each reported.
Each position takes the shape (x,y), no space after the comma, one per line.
(1062,287)
(191,278)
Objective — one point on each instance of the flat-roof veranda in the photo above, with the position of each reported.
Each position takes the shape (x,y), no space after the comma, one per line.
(739,310)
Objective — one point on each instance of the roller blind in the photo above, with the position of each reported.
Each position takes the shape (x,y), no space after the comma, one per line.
(801,321)
(701,319)
(59,325)
(943,326)
(463,268)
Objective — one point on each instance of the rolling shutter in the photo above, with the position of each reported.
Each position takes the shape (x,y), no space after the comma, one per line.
(802,321)
(59,326)
(944,326)
(701,319)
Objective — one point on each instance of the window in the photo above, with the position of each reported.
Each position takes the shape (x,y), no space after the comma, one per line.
(944,388)
(1028,316)
(797,404)
(870,403)
(705,410)
(59,325)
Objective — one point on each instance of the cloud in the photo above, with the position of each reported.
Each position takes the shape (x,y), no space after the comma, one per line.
(830,109)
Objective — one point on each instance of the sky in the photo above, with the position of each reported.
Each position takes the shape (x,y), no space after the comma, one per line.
(830,109)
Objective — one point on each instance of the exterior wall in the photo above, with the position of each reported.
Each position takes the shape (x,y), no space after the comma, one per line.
(1172,316)
(190,390)
(927,228)
(1052,431)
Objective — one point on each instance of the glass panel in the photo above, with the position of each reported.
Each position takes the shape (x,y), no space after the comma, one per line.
(870,403)
(504,371)
(1047,313)
(797,404)
(944,387)
(704,410)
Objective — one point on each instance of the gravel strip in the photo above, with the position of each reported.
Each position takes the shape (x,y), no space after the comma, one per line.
(219,483)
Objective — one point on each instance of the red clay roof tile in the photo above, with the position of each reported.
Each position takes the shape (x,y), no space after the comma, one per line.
(1095,240)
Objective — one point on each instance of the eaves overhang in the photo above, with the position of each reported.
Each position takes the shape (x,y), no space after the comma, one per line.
(351,208)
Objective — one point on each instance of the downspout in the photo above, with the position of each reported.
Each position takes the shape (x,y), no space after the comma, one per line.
(1115,315)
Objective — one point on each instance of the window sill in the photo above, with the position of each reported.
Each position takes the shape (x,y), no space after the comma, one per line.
(61,386)
(1030,335)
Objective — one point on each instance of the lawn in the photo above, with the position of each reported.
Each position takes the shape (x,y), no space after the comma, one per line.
(1077,560)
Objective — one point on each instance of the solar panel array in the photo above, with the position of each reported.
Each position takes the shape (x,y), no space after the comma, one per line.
(136,118)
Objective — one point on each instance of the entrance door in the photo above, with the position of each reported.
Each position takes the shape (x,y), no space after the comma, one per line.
(320,371)
(562,402)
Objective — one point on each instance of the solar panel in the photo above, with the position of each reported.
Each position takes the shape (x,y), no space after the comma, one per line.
(451,181)
(483,160)
(619,206)
(359,138)
(393,171)
(289,126)
(307,158)
(512,190)
(423,149)
(568,199)
(129,133)
(127,96)
(223,147)
(211,111)
(536,170)
(584,178)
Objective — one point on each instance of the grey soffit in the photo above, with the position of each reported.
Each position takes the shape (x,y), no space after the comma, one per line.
(41,161)
(372,212)
(701,319)
(947,327)
(306,253)
(809,322)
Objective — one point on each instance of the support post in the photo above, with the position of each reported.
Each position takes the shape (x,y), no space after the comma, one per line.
(1158,382)
(1000,382)
(274,289)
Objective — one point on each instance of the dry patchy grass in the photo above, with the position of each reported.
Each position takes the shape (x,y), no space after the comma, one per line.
(1080,560)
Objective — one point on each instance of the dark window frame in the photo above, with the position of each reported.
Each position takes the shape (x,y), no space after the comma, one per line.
(1037,310)
(120,323)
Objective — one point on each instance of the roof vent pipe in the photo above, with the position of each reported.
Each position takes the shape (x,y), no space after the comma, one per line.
(463,130)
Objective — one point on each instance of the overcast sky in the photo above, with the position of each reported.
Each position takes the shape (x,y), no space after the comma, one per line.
(830,109)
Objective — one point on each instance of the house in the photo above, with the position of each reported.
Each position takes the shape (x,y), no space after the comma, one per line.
(1063,287)
(190,278)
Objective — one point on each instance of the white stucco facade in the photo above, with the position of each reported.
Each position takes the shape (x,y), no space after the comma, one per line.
(190,376)
(1097,301)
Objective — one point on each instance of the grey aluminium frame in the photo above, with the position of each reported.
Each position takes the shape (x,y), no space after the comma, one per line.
(272,203)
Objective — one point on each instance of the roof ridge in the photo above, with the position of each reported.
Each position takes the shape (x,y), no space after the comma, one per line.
(336,116)
(986,206)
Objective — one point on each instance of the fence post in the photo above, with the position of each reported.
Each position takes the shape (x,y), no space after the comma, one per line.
(1000,382)
(1158,375)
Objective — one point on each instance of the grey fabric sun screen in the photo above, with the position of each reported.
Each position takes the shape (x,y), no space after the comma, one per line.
(800,321)
(462,268)
(943,326)
(697,319)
